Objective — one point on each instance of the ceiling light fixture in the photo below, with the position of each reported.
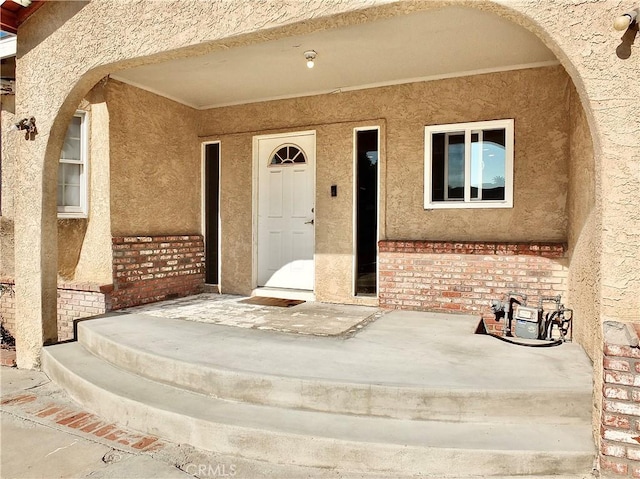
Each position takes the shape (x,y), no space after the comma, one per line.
(625,20)
(310,56)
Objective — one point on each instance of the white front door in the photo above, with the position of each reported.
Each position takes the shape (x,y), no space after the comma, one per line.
(286,195)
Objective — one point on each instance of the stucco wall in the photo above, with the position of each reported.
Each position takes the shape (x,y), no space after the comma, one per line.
(8,145)
(334,215)
(8,151)
(235,213)
(583,235)
(585,245)
(535,98)
(71,235)
(95,256)
(84,244)
(155,164)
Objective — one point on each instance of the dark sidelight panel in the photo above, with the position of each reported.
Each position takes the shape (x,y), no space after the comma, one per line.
(366,211)
(212,211)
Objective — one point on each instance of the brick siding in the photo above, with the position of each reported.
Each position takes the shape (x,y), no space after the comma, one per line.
(145,269)
(620,429)
(155,268)
(79,300)
(75,301)
(463,277)
(7,305)
(8,357)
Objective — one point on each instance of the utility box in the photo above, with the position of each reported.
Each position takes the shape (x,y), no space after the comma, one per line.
(527,322)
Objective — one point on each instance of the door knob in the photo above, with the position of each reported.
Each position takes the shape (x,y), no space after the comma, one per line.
(310,222)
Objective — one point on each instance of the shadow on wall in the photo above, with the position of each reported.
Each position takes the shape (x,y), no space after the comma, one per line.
(624,49)
(6,247)
(71,233)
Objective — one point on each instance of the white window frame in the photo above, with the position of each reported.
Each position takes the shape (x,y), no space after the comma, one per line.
(79,211)
(467,129)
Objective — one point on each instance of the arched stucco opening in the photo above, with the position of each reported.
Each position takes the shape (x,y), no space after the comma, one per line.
(55,94)
(574,233)
(603,281)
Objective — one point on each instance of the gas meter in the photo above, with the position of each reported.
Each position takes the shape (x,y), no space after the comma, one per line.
(528,322)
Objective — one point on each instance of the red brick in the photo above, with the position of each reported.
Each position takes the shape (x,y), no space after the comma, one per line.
(7,357)
(451,306)
(621,351)
(613,450)
(633,454)
(105,430)
(615,392)
(617,364)
(621,407)
(20,399)
(621,436)
(62,414)
(145,442)
(48,411)
(616,467)
(617,377)
(82,422)
(451,294)
(92,427)
(450,271)
(115,435)
(70,419)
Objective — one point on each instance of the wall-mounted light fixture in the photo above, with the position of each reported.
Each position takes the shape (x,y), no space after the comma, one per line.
(626,20)
(28,125)
(310,56)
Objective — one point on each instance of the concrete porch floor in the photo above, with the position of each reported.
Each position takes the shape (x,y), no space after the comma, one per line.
(391,347)
(409,393)
(312,318)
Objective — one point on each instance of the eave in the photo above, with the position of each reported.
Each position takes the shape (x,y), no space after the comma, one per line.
(12,14)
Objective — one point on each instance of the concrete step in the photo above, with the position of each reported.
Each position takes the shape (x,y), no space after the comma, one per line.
(318,439)
(365,375)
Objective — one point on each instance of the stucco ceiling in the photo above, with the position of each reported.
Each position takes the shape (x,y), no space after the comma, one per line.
(426,45)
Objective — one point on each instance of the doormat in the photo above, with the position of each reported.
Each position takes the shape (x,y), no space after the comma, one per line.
(282,303)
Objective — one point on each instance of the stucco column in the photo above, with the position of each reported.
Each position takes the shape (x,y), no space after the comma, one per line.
(620,266)
(36,248)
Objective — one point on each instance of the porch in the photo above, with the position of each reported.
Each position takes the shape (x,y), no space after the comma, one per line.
(409,393)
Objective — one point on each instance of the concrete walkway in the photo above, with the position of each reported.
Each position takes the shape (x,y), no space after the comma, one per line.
(36,446)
